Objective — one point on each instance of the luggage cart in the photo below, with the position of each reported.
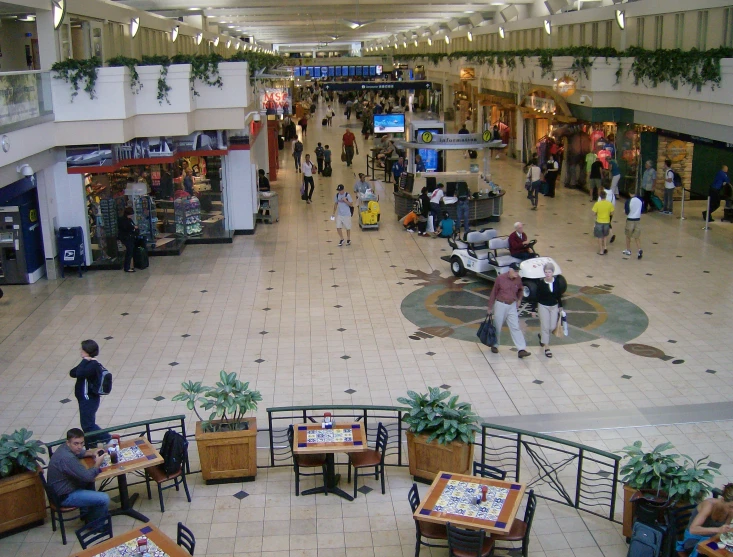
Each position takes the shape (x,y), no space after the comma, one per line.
(367,219)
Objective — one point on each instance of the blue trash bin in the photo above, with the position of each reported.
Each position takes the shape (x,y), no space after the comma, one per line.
(71,248)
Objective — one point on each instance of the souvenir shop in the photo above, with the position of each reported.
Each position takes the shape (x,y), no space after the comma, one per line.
(498,114)
(464,103)
(176,195)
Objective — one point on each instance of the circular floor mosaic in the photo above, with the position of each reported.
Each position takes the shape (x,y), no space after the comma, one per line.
(452,307)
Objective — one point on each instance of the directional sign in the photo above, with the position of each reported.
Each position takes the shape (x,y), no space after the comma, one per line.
(378,86)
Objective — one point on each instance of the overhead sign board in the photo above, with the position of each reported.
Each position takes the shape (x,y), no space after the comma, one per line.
(378,86)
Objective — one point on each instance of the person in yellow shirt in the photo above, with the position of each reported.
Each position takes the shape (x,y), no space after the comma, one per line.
(604,213)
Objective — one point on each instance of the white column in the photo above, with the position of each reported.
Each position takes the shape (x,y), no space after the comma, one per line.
(48,209)
(240,193)
(47,45)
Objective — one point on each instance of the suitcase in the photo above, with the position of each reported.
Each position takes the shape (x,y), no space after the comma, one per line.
(280,142)
(324,122)
(646,541)
(327,172)
(658,205)
(140,257)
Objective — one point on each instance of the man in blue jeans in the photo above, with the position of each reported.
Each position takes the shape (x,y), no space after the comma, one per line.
(73,482)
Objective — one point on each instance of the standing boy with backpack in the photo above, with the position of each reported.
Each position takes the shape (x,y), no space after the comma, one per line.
(89,374)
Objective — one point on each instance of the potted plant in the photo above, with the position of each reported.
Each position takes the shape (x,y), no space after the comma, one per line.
(667,477)
(22,501)
(440,434)
(226,441)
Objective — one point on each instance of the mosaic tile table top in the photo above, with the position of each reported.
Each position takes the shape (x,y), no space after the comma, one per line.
(340,438)
(125,545)
(453,498)
(711,548)
(136,454)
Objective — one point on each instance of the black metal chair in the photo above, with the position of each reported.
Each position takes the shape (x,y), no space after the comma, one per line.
(371,458)
(486,471)
(159,476)
(520,528)
(58,511)
(427,530)
(95,532)
(314,460)
(677,519)
(185,538)
(468,543)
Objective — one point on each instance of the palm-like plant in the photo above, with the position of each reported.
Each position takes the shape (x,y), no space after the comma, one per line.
(440,416)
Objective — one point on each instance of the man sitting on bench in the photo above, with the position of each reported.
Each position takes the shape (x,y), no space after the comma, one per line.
(519,244)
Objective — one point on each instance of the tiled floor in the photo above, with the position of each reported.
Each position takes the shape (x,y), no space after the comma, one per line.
(282,296)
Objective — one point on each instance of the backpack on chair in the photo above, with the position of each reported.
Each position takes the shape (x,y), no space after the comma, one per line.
(173,451)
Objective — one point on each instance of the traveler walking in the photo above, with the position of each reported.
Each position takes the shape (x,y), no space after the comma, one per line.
(348,143)
(342,205)
(319,157)
(633,209)
(126,233)
(549,304)
(308,169)
(721,179)
(534,177)
(88,375)
(604,212)
(297,152)
(504,305)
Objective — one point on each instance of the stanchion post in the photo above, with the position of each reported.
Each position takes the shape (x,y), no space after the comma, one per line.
(707,216)
(682,213)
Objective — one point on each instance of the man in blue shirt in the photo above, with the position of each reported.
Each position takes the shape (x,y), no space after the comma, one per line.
(721,179)
(397,169)
(615,176)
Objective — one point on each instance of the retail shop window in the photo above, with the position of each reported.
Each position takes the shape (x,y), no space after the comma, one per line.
(679,30)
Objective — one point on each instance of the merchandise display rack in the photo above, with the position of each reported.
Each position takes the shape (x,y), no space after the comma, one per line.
(145,216)
(188,216)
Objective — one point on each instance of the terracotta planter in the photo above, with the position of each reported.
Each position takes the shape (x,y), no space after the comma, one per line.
(427,459)
(228,455)
(22,501)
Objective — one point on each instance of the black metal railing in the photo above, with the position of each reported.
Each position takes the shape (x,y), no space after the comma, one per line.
(389,416)
(558,470)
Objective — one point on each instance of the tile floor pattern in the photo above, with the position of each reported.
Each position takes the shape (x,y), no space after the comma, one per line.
(308,322)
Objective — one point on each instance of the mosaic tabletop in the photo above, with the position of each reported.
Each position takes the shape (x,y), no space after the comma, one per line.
(313,438)
(135,454)
(453,498)
(125,545)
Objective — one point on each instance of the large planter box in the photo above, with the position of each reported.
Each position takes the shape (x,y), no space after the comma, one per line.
(427,459)
(235,91)
(228,455)
(179,97)
(113,98)
(22,501)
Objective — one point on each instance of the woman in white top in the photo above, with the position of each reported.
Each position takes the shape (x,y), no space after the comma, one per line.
(534,177)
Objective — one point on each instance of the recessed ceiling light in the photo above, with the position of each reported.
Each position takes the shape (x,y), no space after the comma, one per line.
(193,9)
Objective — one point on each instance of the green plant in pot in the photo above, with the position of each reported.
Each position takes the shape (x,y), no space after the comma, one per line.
(19,453)
(441,433)
(228,402)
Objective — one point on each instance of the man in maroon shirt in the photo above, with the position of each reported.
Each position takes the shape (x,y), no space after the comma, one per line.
(519,244)
(349,144)
(504,304)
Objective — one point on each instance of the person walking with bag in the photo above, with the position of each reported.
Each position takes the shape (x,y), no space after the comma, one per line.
(348,143)
(504,305)
(534,177)
(126,232)
(549,304)
(297,152)
(308,169)
(88,375)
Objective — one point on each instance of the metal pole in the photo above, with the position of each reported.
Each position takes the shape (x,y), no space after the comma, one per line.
(707,216)
(682,213)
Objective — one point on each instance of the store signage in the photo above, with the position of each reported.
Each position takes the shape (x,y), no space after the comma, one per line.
(379,86)
(274,100)
(565,86)
(676,150)
(18,98)
(454,138)
(467,73)
(540,104)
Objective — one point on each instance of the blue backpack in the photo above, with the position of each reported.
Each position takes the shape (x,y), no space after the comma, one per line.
(646,541)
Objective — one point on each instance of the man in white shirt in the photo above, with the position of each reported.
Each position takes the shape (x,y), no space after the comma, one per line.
(308,169)
(633,209)
(668,188)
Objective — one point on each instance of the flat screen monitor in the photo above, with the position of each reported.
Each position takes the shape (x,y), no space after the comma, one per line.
(331,70)
(296,71)
(337,71)
(378,70)
(352,71)
(389,123)
(324,71)
(430,159)
(358,70)
(345,71)
(317,71)
(372,70)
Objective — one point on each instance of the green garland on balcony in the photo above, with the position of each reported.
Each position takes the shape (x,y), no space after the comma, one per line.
(78,72)
(650,67)
(131,64)
(163,88)
(204,67)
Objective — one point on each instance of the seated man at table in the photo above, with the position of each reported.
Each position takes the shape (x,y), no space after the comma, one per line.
(519,244)
(73,482)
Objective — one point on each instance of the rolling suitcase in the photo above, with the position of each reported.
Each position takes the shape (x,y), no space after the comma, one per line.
(324,122)
(280,142)
(327,171)
(140,257)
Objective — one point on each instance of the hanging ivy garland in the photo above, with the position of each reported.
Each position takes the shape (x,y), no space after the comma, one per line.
(649,67)
(78,72)
(130,63)
(163,88)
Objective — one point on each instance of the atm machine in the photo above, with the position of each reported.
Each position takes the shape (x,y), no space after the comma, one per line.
(434,159)
(21,244)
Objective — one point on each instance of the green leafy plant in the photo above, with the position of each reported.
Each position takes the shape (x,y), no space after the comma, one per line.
(228,402)
(163,88)
(19,453)
(440,416)
(675,476)
(131,64)
(78,73)
(204,68)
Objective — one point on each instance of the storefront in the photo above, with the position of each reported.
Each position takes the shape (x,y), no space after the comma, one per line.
(464,103)
(498,114)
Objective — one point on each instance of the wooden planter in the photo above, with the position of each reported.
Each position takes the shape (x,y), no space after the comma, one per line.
(22,501)
(628,520)
(228,455)
(427,459)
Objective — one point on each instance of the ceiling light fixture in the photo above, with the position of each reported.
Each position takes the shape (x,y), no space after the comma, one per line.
(229,43)
(134,26)
(469,36)
(415,41)
(174,33)
(404,44)
(199,38)
(216,41)
(430,41)
(548,27)
(58,9)
(447,39)
(502,33)
(621,19)
(236,45)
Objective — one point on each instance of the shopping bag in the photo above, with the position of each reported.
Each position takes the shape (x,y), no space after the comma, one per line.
(564,319)
(303,196)
(430,227)
(343,157)
(558,332)
(487,332)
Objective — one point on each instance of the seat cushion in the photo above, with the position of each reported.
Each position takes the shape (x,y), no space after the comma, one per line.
(311,460)
(365,459)
(487,548)
(506,260)
(158,474)
(482,254)
(433,531)
(515,534)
